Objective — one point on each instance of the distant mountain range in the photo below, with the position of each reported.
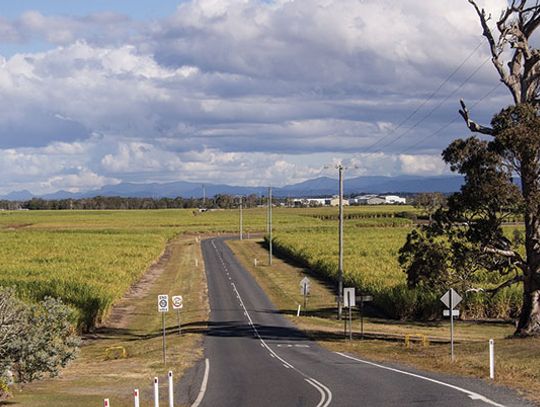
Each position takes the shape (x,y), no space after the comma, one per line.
(322,186)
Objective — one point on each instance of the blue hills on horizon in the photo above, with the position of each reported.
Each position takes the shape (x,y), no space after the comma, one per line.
(322,186)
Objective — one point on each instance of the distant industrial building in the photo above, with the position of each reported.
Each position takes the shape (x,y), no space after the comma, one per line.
(310,202)
(377,200)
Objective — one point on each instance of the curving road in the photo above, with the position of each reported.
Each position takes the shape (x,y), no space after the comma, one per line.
(255,357)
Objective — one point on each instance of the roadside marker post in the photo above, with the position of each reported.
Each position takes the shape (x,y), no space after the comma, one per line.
(304,289)
(491,359)
(136,397)
(171,391)
(163,307)
(106,403)
(363,298)
(451,299)
(156,392)
(350,301)
(177,304)
(298,312)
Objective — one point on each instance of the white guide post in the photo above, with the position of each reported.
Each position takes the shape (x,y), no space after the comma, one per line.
(156,392)
(491,359)
(136,397)
(171,391)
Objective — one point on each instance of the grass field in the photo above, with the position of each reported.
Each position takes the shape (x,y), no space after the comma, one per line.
(100,373)
(90,258)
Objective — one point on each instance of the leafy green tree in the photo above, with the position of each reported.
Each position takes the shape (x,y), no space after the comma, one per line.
(429,202)
(35,340)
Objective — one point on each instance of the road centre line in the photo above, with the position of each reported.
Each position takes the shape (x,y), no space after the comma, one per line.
(318,389)
(326,394)
(472,395)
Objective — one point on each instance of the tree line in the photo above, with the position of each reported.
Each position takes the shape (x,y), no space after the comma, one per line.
(220,201)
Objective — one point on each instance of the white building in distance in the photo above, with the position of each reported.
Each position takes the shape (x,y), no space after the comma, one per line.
(333,201)
(378,200)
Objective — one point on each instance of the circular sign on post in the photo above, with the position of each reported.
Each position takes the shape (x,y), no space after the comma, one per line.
(163,303)
(177,302)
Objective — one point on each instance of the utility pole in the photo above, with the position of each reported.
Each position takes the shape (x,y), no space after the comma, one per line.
(241,220)
(340,268)
(269,226)
(203,195)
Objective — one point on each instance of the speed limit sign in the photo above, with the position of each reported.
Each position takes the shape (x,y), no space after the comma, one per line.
(177,302)
(163,303)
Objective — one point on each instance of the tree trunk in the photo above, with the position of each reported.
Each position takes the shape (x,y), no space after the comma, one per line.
(529,320)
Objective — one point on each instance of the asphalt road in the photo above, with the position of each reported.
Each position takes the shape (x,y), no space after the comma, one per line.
(255,357)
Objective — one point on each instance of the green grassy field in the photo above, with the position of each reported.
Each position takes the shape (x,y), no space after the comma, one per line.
(127,353)
(90,258)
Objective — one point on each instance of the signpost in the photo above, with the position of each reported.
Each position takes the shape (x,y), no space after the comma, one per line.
(304,289)
(451,299)
(177,305)
(163,307)
(362,299)
(349,301)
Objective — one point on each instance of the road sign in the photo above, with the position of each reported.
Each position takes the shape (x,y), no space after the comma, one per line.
(455,313)
(349,297)
(365,298)
(177,302)
(451,297)
(305,286)
(163,303)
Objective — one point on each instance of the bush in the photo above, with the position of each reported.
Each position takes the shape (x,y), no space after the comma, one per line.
(36,339)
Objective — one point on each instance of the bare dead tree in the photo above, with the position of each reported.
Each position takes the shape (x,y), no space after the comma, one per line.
(516,61)
(516,132)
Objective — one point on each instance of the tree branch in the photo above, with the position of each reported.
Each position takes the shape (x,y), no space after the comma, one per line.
(494,47)
(508,283)
(472,125)
(510,254)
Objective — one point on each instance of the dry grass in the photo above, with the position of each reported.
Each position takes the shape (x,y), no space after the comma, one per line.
(517,360)
(94,376)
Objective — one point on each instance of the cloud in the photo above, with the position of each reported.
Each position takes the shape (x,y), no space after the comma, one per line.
(422,165)
(83,180)
(240,91)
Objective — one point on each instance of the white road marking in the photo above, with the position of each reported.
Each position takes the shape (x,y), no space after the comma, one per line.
(204,384)
(471,394)
(320,390)
(288,345)
(326,394)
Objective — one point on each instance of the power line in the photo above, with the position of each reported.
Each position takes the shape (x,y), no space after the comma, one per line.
(436,106)
(421,105)
(445,126)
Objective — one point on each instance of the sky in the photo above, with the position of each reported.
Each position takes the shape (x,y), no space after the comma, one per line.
(242,92)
